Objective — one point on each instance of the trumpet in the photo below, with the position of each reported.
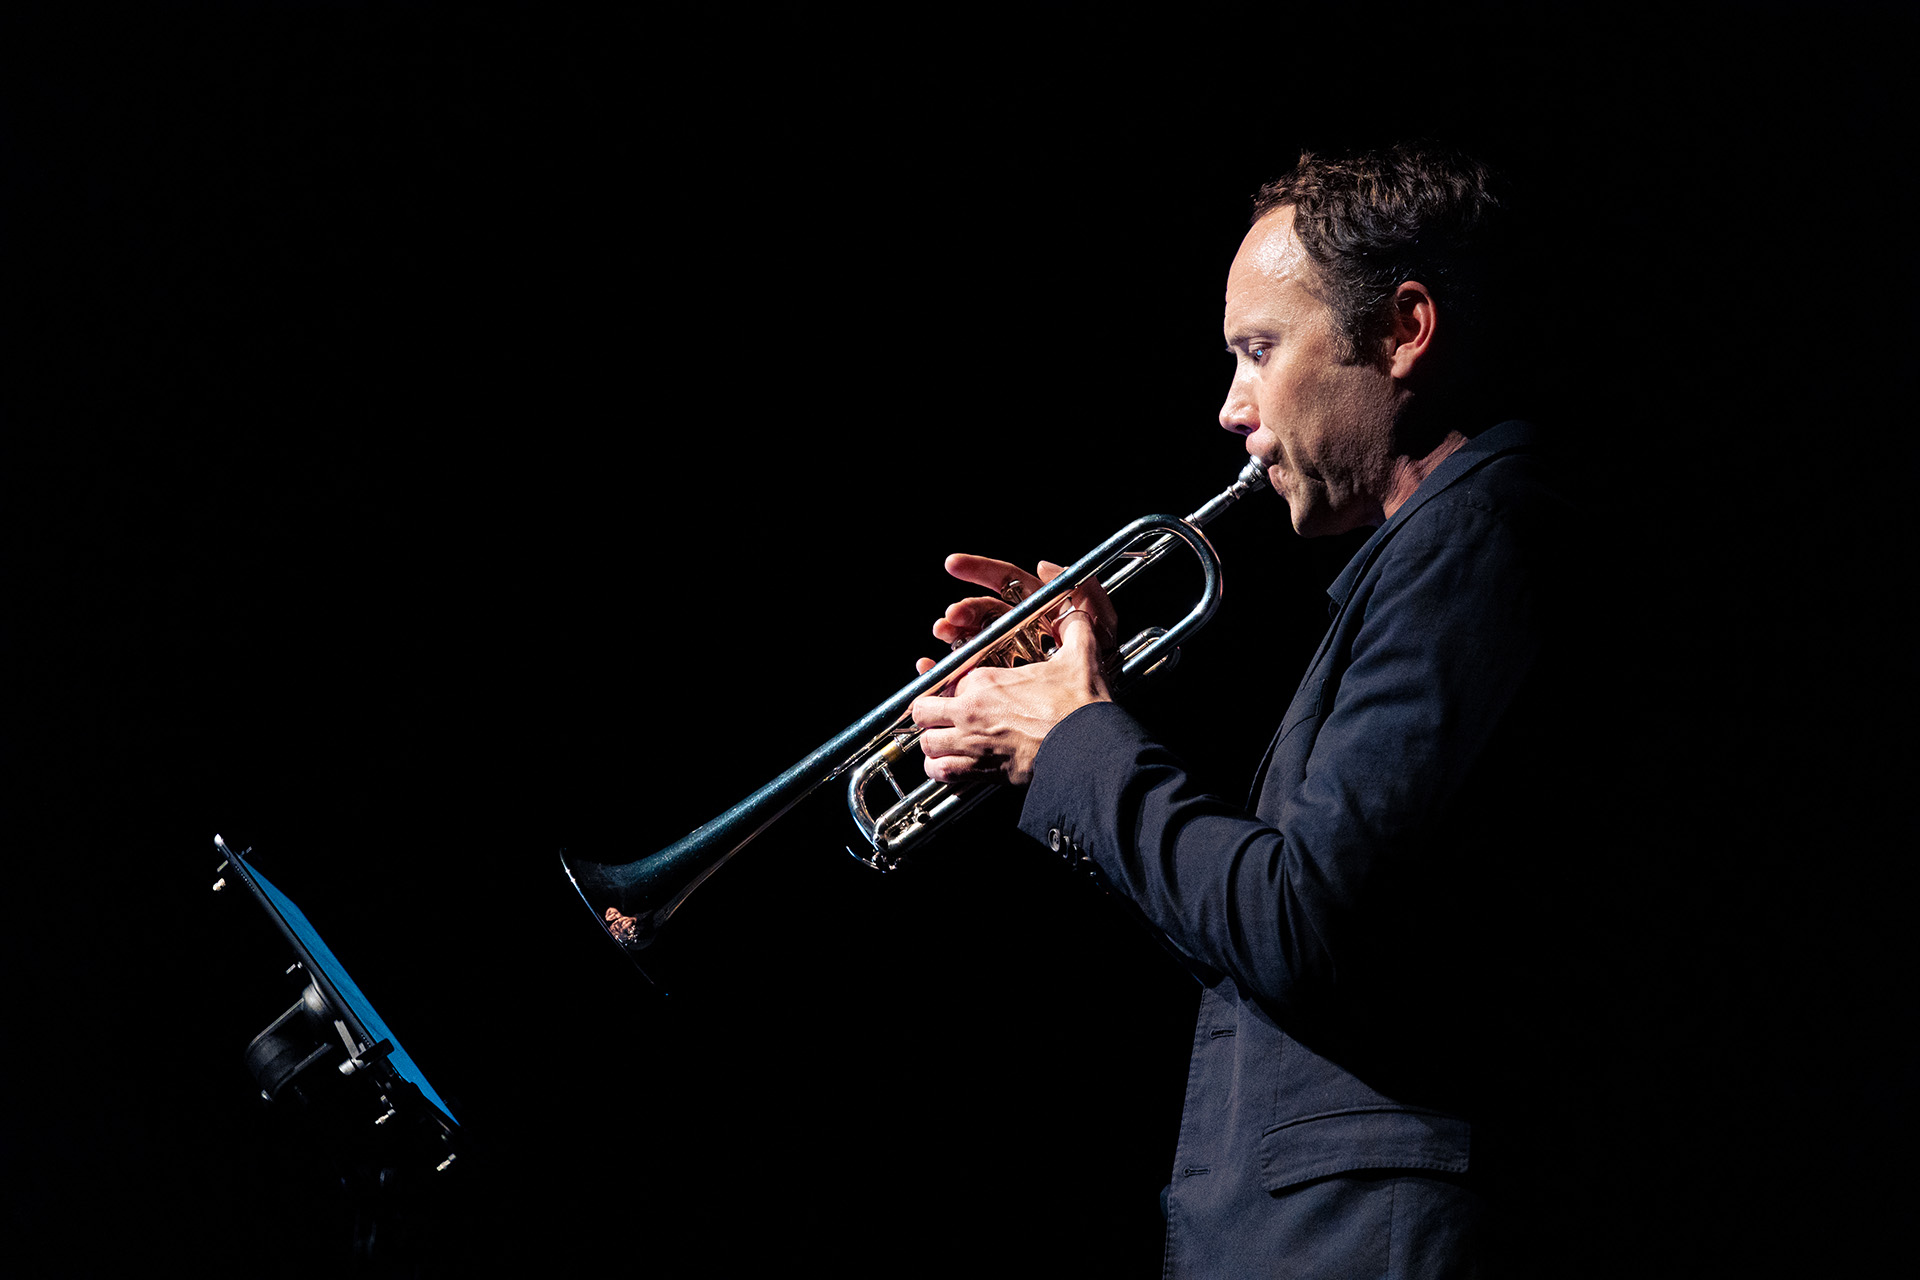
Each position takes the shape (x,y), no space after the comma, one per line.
(631,901)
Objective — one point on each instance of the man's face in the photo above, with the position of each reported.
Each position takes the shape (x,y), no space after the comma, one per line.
(1324,429)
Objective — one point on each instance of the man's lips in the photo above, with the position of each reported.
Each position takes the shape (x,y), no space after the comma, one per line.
(1274,464)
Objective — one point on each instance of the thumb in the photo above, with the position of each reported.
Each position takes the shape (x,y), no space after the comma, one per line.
(1079,646)
(1078,633)
(1089,603)
(1092,597)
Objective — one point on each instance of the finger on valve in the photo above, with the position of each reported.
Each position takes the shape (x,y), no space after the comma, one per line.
(965,619)
(997,576)
(1088,600)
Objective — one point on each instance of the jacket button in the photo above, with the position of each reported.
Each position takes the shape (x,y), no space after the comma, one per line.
(1053,839)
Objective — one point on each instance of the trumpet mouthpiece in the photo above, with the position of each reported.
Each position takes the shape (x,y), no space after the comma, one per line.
(1252,479)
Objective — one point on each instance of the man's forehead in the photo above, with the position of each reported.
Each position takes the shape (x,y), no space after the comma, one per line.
(1270,269)
(1271,249)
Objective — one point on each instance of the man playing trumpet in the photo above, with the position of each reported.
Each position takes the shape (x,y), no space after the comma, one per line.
(1370,1070)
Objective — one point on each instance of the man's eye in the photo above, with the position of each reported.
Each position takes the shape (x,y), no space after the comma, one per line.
(1257,351)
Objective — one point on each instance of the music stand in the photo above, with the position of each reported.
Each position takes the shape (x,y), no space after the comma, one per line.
(358,1094)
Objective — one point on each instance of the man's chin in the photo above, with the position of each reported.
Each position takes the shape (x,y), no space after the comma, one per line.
(1318,522)
(1316,514)
(1310,519)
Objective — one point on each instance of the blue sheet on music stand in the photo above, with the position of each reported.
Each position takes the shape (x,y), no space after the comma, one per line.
(335,973)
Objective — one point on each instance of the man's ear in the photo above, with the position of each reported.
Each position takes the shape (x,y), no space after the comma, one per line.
(1414,319)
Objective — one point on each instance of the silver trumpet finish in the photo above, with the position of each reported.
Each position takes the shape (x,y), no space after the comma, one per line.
(917,816)
(632,901)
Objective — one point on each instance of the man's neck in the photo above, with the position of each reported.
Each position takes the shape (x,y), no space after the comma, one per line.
(1409,472)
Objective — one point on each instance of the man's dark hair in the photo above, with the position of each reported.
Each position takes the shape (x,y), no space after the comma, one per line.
(1374,220)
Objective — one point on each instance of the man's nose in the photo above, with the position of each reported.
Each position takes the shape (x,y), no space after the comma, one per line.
(1239,414)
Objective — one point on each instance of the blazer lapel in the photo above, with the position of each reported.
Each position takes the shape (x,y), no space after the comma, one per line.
(1475,454)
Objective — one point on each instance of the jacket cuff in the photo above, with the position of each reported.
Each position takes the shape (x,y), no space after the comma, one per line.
(1056,811)
(1073,796)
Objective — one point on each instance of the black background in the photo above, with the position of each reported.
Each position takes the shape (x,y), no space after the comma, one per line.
(439,436)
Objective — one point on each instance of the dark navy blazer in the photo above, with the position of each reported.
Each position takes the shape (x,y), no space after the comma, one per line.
(1357,934)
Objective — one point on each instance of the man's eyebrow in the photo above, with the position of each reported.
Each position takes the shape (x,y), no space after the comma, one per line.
(1238,339)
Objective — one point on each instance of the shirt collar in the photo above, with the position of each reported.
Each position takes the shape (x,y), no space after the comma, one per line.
(1464,461)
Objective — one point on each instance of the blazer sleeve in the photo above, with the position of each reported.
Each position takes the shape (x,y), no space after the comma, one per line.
(1414,684)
